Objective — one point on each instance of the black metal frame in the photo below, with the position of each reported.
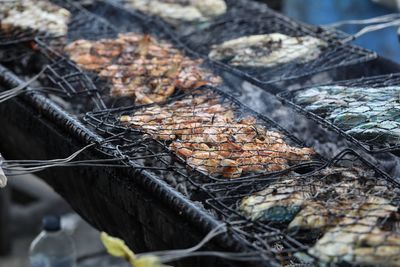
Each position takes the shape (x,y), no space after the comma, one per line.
(373,81)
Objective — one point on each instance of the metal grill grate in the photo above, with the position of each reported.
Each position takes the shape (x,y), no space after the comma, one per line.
(275,57)
(208,131)
(343,214)
(362,110)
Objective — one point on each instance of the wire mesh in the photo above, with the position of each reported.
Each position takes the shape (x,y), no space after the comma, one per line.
(343,214)
(59,22)
(365,111)
(140,63)
(208,131)
(268,47)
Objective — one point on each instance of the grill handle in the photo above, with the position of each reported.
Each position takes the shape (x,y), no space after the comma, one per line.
(373,24)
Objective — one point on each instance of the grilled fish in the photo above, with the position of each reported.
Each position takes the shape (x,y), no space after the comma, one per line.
(209,138)
(41,16)
(369,114)
(268,50)
(175,11)
(140,66)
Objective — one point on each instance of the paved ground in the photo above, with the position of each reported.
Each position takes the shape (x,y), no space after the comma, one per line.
(32,199)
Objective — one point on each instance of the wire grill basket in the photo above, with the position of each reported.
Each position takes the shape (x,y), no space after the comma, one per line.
(275,55)
(138,63)
(208,131)
(343,214)
(362,110)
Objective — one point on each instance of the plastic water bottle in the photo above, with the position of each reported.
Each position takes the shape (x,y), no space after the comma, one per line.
(52,247)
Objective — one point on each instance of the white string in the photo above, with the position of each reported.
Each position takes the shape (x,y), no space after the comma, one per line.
(173,255)
(384,18)
(36,166)
(379,23)
(6,95)
(372,28)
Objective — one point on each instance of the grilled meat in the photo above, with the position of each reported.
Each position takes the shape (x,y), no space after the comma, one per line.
(176,11)
(369,114)
(140,66)
(38,16)
(267,50)
(207,135)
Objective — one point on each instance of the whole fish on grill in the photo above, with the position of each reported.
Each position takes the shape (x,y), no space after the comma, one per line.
(176,11)
(206,134)
(370,114)
(140,66)
(38,16)
(268,50)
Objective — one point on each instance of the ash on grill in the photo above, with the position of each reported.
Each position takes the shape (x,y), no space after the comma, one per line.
(345,213)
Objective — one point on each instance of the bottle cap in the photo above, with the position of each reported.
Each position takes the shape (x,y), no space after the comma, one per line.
(51,223)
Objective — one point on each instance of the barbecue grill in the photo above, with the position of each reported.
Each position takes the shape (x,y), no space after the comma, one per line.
(123,195)
(244,19)
(153,194)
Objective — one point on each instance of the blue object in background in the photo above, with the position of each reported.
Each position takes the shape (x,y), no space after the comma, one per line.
(320,12)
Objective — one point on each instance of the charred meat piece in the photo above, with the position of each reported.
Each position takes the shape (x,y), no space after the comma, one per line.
(209,137)
(140,66)
(35,16)
(267,50)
